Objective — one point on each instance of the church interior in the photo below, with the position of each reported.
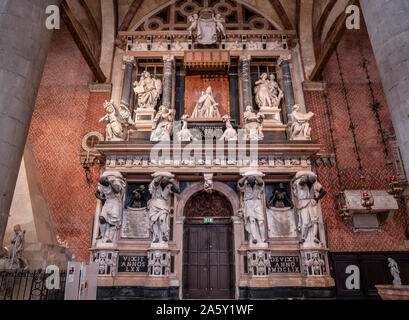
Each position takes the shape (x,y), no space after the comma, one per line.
(206,149)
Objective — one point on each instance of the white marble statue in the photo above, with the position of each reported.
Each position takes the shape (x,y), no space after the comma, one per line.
(394,269)
(300,128)
(253,124)
(162,124)
(206,106)
(275,91)
(307,193)
(111,190)
(184,134)
(230,134)
(194,19)
(268,93)
(17,246)
(252,211)
(206,26)
(161,187)
(116,121)
(208,182)
(316,263)
(220,22)
(148,91)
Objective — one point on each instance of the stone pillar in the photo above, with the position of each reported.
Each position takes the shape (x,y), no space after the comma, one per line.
(127,82)
(246,81)
(388,27)
(168,81)
(23,50)
(284,63)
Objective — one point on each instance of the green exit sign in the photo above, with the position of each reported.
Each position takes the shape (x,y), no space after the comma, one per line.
(208,220)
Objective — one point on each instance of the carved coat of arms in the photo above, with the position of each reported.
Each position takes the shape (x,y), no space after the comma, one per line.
(206,25)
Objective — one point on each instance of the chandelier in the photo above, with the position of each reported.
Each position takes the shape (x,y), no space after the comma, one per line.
(395,189)
(367,200)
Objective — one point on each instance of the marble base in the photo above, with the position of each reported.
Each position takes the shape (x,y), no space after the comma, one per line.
(390,292)
(272,120)
(159,245)
(258,245)
(144,119)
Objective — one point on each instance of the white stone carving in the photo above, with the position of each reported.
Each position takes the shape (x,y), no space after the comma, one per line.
(307,194)
(159,263)
(268,93)
(117,120)
(148,91)
(208,182)
(314,263)
(16,251)
(162,186)
(252,45)
(107,261)
(253,124)
(394,269)
(111,189)
(300,128)
(184,134)
(162,124)
(258,263)
(230,134)
(206,26)
(252,210)
(206,106)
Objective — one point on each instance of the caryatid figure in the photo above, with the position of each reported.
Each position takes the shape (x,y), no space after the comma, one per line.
(252,186)
(307,193)
(162,186)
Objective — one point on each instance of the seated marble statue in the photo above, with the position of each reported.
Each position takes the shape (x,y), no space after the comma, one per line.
(206,106)
(162,124)
(253,124)
(115,129)
(148,91)
(184,134)
(300,128)
(230,134)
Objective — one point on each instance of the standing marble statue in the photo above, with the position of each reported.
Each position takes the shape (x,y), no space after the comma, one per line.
(300,128)
(307,193)
(206,106)
(162,186)
(16,251)
(117,120)
(253,124)
(111,191)
(394,269)
(163,124)
(148,91)
(268,93)
(252,186)
(230,134)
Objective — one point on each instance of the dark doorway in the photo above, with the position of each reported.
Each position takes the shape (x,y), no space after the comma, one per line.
(208,269)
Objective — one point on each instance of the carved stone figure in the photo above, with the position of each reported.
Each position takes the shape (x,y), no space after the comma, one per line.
(300,128)
(159,263)
(275,91)
(394,269)
(206,106)
(148,91)
(137,200)
(115,129)
(220,21)
(258,263)
(208,182)
(252,211)
(253,124)
(162,124)
(111,191)
(193,23)
(315,265)
(280,198)
(16,251)
(161,188)
(206,26)
(184,134)
(268,93)
(307,193)
(230,134)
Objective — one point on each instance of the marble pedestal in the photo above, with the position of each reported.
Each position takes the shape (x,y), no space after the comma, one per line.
(272,119)
(144,119)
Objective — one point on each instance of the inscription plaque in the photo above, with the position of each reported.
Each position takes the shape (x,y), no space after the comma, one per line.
(133,264)
(135,224)
(285,264)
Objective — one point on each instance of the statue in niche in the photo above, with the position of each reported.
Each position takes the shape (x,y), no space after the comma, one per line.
(206,26)
(116,120)
(148,91)
(300,128)
(316,263)
(206,106)
(268,93)
(394,269)
(16,251)
(230,134)
(252,186)
(111,191)
(137,200)
(184,134)
(162,124)
(253,124)
(162,186)
(307,193)
(280,198)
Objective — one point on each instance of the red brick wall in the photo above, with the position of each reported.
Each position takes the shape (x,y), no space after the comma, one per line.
(65,111)
(369,142)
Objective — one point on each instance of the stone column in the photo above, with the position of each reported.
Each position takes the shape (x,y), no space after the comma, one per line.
(388,27)
(127,83)
(246,81)
(284,63)
(24,45)
(168,81)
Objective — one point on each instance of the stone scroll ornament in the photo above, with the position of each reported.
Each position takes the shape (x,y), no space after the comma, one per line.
(307,194)
(252,210)
(111,191)
(300,128)
(161,187)
(205,26)
(117,121)
(148,91)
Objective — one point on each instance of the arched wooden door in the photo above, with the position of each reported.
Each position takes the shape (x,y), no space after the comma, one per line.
(208,266)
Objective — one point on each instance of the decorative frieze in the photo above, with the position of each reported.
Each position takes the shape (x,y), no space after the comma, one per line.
(107,261)
(159,263)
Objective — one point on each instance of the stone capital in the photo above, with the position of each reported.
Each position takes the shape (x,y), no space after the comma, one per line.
(169,58)
(128,59)
(245,58)
(284,57)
